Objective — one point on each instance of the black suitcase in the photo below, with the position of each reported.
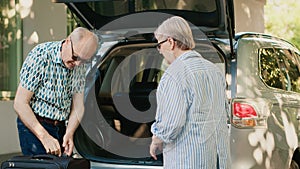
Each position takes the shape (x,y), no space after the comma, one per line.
(46,161)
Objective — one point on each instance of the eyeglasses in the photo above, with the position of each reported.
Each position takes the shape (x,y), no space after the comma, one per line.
(160,43)
(77,58)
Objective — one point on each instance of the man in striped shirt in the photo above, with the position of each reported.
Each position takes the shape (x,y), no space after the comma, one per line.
(190,124)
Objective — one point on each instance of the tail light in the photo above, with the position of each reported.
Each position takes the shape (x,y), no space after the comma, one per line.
(244,115)
(243,110)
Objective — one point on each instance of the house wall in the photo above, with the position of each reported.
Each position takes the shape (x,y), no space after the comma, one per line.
(8,130)
(249,15)
(47,21)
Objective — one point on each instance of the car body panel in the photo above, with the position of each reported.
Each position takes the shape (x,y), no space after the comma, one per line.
(272,144)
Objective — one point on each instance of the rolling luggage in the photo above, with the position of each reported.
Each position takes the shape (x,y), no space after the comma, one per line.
(46,161)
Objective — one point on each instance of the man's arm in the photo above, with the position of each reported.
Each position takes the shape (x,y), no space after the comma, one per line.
(76,115)
(25,113)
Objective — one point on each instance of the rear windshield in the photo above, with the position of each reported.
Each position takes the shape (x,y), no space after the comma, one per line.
(120,7)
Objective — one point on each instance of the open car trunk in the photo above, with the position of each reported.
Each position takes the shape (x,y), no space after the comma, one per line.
(211,16)
(120,104)
(120,101)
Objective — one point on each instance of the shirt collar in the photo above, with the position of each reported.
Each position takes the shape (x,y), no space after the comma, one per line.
(57,53)
(188,54)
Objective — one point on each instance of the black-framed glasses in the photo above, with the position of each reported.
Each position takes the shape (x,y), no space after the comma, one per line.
(160,43)
(77,58)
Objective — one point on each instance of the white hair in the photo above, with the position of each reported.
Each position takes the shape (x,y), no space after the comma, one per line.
(177,28)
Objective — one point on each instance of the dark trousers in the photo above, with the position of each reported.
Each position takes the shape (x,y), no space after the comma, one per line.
(31,145)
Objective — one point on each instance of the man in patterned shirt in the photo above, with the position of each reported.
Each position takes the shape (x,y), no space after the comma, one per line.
(190,124)
(50,92)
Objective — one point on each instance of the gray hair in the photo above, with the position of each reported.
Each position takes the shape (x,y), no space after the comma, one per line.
(85,40)
(80,32)
(177,28)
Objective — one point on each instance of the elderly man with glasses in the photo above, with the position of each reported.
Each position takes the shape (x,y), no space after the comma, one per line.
(50,93)
(190,124)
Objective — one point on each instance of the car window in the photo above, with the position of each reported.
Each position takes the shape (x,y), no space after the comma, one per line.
(129,65)
(279,69)
(296,82)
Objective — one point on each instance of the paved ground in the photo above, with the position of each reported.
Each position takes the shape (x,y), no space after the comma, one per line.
(4,157)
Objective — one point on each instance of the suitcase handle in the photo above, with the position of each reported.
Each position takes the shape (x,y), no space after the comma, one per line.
(45,157)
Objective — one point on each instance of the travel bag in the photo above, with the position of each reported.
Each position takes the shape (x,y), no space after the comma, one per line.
(46,161)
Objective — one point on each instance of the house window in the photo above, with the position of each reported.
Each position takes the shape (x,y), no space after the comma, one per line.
(10,48)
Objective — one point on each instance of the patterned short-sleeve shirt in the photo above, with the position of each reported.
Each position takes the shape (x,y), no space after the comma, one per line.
(44,73)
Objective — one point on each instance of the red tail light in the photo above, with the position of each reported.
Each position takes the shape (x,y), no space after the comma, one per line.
(244,115)
(243,110)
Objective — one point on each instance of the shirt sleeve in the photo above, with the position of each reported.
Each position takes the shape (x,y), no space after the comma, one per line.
(171,110)
(32,70)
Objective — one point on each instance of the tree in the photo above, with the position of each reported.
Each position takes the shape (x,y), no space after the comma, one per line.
(282,19)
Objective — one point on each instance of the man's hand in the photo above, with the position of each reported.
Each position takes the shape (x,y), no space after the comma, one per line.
(68,144)
(51,145)
(156,145)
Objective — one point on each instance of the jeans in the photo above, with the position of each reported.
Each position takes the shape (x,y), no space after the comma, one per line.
(31,145)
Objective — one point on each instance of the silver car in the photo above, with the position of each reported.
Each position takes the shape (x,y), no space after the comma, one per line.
(262,74)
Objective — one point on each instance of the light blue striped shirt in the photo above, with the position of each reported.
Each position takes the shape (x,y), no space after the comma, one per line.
(191,114)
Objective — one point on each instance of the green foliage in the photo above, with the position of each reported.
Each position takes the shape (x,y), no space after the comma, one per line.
(282,19)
